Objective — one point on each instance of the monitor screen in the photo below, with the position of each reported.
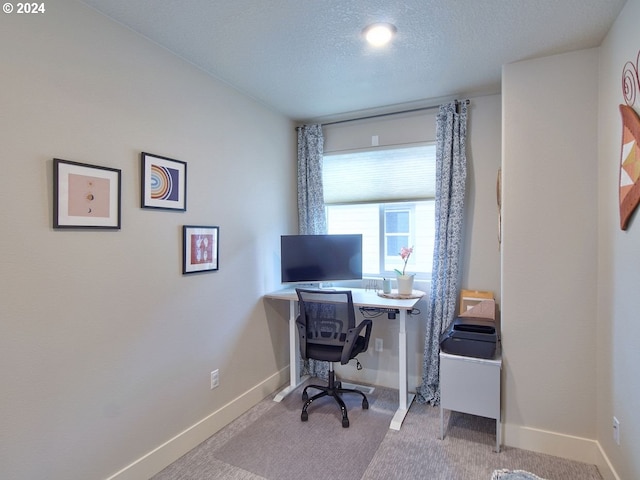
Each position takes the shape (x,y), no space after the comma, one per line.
(320,258)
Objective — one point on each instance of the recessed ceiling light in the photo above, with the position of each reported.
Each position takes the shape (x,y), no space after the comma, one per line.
(379,34)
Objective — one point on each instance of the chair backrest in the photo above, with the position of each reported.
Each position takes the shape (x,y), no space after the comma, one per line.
(327,315)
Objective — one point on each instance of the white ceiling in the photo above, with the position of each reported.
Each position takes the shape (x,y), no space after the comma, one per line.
(307,58)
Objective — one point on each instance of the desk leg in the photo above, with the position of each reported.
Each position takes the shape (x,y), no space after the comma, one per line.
(294,373)
(405,397)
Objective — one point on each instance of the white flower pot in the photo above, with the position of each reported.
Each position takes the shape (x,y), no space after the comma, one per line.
(405,284)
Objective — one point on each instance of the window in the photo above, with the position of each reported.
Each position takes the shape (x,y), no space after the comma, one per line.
(397,229)
(388,197)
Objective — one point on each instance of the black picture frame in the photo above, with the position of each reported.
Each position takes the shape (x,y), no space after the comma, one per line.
(200,248)
(164,183)
(86,196)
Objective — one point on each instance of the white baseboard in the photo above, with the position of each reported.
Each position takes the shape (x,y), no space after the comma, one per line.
(606,469)
(560,445)
(542,441)
(171,450)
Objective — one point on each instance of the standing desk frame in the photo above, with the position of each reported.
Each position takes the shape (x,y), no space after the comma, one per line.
(361,298)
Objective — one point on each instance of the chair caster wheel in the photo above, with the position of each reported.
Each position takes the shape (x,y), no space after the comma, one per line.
(365,404)
(304,416)
(345,422)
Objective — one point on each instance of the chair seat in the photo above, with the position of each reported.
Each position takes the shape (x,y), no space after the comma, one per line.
(333,353)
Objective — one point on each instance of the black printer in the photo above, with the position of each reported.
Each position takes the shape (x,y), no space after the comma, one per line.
(471,337)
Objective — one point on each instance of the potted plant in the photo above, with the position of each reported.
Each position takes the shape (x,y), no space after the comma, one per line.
(405,280)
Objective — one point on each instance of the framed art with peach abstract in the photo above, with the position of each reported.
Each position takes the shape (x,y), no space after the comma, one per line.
(85,196)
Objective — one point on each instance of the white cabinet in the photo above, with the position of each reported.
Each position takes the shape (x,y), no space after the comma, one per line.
(471,385)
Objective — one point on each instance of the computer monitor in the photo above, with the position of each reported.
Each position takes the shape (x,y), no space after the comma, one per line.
(320,258)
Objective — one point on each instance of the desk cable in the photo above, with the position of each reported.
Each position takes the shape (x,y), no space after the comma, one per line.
(375,312)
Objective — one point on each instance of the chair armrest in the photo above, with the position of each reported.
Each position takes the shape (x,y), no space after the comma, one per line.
(352,336)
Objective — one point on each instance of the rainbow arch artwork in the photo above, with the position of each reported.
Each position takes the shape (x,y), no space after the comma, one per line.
(164,183)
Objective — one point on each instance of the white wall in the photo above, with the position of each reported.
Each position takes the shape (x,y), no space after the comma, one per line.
(481,256)
(618,260)
(571,359)
(106,347)
(549,252)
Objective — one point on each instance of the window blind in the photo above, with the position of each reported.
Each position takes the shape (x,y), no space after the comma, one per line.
(378,176)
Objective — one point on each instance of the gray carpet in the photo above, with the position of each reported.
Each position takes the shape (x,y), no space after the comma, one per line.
(259,448)
(269,442)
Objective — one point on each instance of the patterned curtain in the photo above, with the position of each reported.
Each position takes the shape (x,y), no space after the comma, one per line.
(311,213)
(451,174)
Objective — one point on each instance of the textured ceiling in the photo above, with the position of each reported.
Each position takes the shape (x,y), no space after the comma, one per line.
(307,58)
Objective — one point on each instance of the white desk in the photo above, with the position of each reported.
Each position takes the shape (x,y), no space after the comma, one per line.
(361,298)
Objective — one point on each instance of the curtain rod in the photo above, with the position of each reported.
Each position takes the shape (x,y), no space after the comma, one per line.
(433,107)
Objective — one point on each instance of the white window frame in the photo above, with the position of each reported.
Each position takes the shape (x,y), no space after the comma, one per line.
(391,257)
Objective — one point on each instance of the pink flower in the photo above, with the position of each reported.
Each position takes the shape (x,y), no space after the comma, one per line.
(405,253)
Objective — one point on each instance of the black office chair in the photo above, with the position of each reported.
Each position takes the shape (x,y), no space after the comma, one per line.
(327,331)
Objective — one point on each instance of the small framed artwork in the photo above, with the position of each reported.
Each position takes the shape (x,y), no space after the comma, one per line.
(85,196)
(200,249)
(164,183)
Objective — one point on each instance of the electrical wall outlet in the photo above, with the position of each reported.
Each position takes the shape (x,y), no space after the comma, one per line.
(616,431)
(215,379)
(378,344)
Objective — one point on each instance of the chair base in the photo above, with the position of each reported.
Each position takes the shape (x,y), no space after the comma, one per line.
(333,389)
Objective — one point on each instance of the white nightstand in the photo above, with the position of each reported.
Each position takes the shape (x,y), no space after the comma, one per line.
(471,385)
